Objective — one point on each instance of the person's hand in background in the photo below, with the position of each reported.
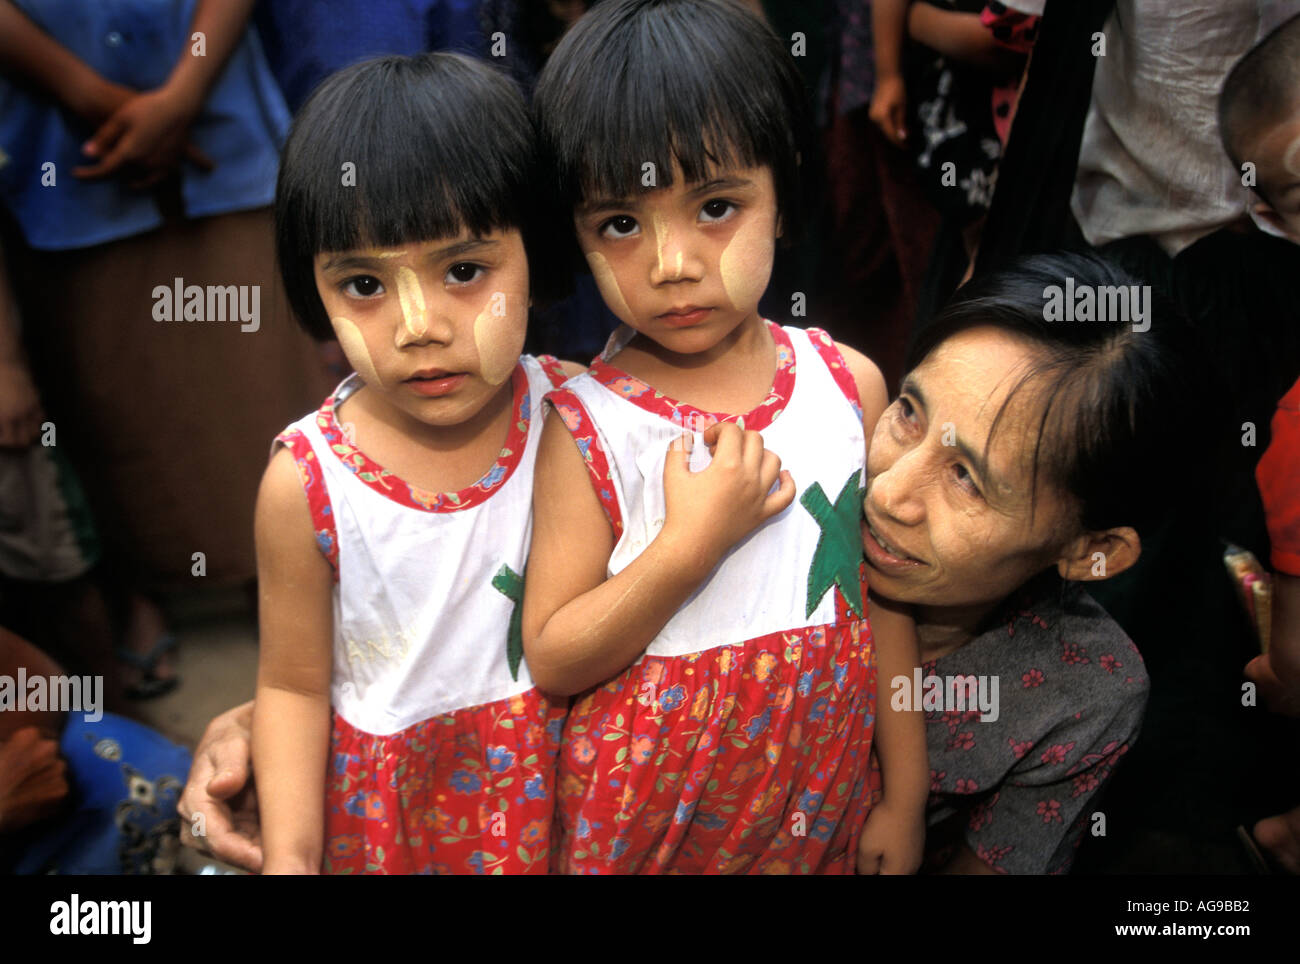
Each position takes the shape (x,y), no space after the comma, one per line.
(146,137)
(33,779)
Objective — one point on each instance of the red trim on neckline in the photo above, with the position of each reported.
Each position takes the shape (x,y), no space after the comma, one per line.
(645,397)
(376,477)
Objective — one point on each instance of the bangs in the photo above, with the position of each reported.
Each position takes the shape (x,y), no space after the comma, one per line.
(346,186)
(703,84)
(398,150)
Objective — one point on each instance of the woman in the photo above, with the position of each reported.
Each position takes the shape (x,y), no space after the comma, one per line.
(1022,456)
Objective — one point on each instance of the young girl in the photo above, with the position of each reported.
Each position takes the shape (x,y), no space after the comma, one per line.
(391,591)
(724,617)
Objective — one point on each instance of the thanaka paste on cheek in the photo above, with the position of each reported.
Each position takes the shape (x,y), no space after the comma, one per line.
(746,263)
(608,285)
(354,347)
(411,297)
(497,333)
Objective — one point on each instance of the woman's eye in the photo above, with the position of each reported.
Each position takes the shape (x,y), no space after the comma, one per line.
(464,272)
(621,226)
(966,480)
(717,210)
(904,409)
(363,286)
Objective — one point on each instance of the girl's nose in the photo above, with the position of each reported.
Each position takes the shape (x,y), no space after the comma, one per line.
(421,322)
(673,259)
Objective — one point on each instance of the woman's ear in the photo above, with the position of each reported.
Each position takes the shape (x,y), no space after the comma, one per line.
(1099,555)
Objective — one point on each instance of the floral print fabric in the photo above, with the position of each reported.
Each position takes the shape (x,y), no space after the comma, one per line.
(468,792)
(1072,689)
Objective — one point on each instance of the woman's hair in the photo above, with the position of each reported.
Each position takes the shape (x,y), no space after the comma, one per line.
(397,150)
(1121,411)
(703,82)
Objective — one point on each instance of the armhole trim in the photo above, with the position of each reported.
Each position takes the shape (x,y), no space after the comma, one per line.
(554,371)
(824,345)
(318,496)
(573,414)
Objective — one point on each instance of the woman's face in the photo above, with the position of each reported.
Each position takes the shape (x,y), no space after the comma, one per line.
(944,525)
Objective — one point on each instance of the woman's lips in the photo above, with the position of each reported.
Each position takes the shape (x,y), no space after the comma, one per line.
(437,384)
(684,318)
(886,559)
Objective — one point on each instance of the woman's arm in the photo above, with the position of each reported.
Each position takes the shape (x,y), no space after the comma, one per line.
(580,628)
(291,714)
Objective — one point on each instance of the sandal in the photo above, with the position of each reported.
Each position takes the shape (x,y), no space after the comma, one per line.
(150,685)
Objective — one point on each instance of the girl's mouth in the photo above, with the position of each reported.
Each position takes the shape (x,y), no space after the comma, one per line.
(436,383)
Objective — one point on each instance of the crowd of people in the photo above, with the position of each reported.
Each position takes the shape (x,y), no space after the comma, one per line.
(757,437)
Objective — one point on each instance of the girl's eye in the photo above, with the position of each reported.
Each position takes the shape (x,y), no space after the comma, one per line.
(363,286)
(717,210)
(464,272)
(620,226)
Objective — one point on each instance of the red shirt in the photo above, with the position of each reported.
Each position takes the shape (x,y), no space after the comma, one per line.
(1278,475)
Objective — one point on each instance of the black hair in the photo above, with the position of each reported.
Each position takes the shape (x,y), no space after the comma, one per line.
(1261,90)
(402,149)
(1121,408)
(703,82)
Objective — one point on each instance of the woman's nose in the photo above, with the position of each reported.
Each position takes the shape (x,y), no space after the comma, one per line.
(896,492)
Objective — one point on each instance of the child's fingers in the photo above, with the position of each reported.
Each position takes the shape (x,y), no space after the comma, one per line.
(752,451)
(678,460)
(769,470)
(779,500)
(726,441)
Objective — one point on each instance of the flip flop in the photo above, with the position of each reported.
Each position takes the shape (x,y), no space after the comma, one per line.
(150,686)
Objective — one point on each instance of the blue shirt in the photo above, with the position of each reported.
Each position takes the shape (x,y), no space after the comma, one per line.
(307,40)
(137,43)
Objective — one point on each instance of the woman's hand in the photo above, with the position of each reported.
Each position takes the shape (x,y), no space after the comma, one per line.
(147,135)
(219,802)
(712,510)
(888,109)
(893,840)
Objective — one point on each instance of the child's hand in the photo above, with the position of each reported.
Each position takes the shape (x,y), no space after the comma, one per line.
(893,840)
(712,510)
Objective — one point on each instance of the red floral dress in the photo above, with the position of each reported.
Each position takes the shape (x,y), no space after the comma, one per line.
(740,742)
(442,752)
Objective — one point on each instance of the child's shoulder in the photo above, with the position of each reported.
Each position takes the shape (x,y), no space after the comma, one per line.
(873,396)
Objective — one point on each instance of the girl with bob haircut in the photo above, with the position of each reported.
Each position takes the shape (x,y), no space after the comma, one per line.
(713,608)
(393,524)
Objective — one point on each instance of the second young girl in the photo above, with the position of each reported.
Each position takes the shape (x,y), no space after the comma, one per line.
(391,592)
(717,617)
